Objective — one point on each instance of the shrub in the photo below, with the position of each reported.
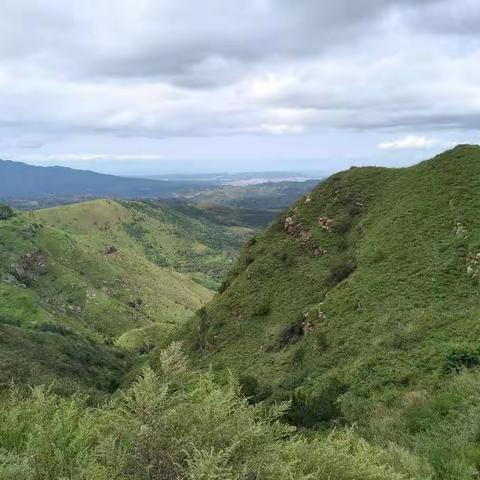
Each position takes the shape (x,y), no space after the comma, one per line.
(135,231)
(342,224)
(342,245)
(252,390)
(318,405)
(223,286)
(463,358)
(341,267)
(249,259)
(379,255)
(6,212)
(156,257)
(5,320)
(262,308)
(173,424)
(54,328)
(292,333)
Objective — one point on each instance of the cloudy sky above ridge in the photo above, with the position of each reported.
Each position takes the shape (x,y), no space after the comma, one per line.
(156,86)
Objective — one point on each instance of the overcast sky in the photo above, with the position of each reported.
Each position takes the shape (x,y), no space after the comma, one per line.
(229,85)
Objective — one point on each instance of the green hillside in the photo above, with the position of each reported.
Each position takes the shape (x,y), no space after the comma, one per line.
(84,286)
(362,305)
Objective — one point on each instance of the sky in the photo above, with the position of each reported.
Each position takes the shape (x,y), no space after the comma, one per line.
(155,86)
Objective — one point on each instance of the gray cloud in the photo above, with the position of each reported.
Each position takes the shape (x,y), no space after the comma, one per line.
(269,68)
(184,41)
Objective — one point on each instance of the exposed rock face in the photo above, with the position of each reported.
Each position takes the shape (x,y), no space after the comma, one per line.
(307,327)
(29,267)
(459,230)
(473,264)
(290,226)
(75,309)
(295,229)
(325,223)
(312,317)
(34,260)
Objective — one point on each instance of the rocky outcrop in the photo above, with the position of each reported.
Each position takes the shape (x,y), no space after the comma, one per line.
(325,223)
(293,228)
(473,264)
(459,230)
(29,267)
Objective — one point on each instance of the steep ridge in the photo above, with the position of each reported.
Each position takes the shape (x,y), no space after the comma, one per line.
(361,304)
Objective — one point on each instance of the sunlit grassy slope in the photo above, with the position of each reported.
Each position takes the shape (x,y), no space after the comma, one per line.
(83,285)
(361,301)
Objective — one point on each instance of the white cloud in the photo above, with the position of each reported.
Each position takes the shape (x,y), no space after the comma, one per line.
(100,75)
(279,129)
(408,142)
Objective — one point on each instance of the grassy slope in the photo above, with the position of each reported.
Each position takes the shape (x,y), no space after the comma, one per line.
(186,239)
(392,309)
(270,196)
(65,301)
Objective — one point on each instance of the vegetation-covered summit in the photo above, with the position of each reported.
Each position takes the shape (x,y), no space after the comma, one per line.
(361,304)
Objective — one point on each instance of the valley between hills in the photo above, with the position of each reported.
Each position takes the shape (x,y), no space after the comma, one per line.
(337,339)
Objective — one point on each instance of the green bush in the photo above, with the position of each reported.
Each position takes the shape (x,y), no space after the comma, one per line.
(252,389)
(135,231)
(54,328)
(173,424)
(251,242)
(309,408)
(223,286)
(342,224)
(262,308)
(290,334)
(156,257)
(6,212)
(463,358)
(340,268)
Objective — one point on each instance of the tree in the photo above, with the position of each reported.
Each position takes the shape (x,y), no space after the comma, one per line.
(6,212)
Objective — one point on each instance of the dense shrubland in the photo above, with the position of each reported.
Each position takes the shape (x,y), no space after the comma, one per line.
(174,423)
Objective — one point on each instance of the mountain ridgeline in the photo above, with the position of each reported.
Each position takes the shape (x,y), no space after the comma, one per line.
(342,343)
(19,180)
(361,305)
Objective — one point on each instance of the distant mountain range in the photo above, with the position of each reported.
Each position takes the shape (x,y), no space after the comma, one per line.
(19,180)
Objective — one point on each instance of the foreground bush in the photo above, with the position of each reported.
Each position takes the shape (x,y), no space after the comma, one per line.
(172,424)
